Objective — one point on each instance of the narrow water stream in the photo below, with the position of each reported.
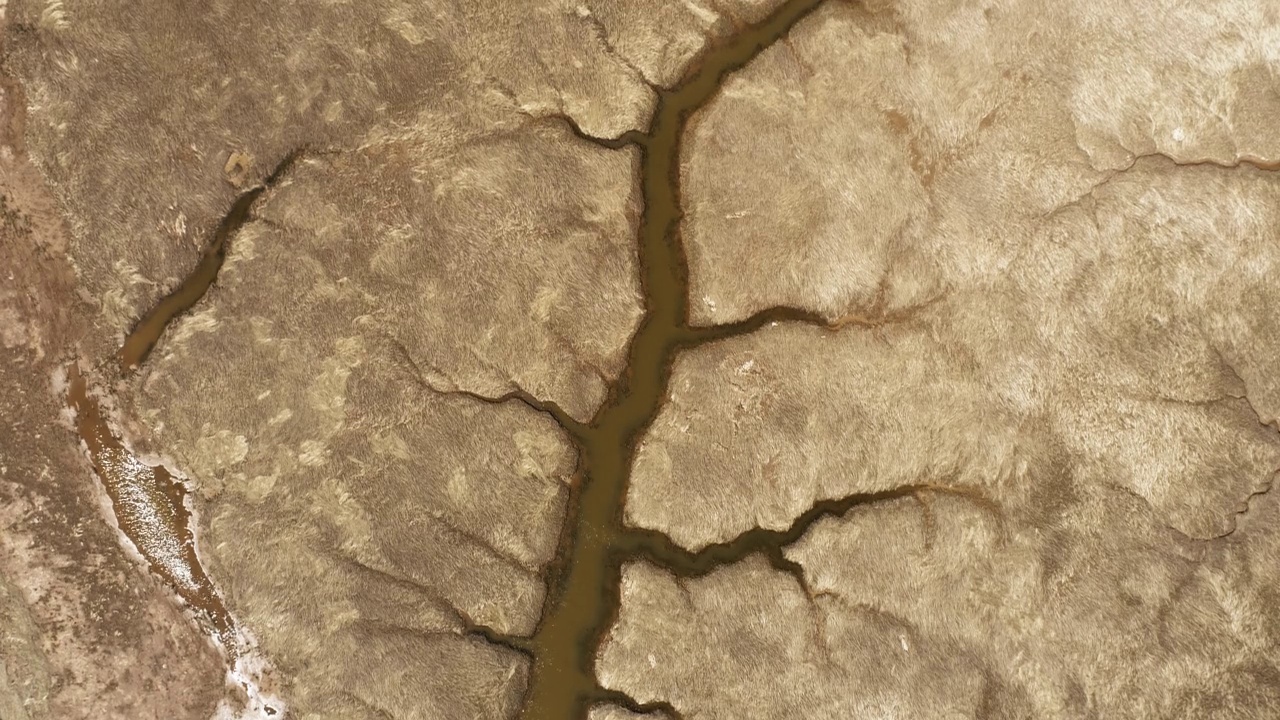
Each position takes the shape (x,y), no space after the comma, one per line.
(144,336)
(583,593)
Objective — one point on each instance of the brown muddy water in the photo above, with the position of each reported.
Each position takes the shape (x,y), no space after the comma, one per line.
(144,336)
(149,505)
(583,593)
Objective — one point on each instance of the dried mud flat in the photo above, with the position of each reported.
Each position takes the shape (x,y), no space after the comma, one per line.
(692,359)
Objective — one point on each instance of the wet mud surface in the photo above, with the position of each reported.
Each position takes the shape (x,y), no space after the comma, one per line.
(149,505)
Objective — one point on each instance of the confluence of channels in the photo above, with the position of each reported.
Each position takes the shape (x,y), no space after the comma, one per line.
(583,590)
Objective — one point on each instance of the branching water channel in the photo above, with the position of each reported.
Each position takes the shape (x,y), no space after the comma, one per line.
(583,592)
(583,597)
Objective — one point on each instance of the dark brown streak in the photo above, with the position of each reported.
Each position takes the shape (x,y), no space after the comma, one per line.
(570,425)
(695,336)
(630,138)
(549,408)
(602,34)
(662,551)
(1271,425)
(470,628)
(493,637)
(146,334)
(630,704)
(873,318)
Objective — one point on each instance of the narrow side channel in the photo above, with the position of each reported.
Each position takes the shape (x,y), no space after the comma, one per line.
(144,336)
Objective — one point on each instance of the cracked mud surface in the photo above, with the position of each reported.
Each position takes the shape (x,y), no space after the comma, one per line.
(691,359)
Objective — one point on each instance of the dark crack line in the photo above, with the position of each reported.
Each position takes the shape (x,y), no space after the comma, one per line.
(627,139)
(602,34)
(875,317)
(1252,161)
(377,626)
(661,550)
(1247,506)
(520,645)
(696,336)
(1272,426)
(469,627)
(469,631)
(1244,394)
(448,526)
(355,564)
(630,138)
(570,425)
(1109,176)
